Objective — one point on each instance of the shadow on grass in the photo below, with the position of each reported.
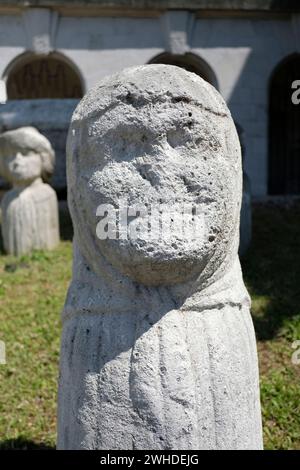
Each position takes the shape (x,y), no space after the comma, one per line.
(271,268)
(23,444)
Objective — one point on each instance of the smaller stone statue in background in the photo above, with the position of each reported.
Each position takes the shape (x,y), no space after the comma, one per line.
(29,219)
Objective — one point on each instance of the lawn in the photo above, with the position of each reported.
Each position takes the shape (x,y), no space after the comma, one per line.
(32,292)
(272,275)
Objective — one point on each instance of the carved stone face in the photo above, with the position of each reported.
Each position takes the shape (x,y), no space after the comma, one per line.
(170,153)
(21,166)
(25,155)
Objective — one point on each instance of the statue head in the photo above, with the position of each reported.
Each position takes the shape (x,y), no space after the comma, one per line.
(155,136)
(25,155)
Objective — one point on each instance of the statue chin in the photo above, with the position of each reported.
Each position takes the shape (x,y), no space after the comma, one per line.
(155,263)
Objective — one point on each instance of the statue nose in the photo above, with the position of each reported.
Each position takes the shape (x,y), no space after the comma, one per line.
(19,156)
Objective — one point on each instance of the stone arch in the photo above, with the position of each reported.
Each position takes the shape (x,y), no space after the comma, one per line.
(190,62)
(284,129)
(32,76)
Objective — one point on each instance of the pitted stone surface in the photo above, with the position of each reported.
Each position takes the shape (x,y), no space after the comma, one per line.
(158,349)
(29,211)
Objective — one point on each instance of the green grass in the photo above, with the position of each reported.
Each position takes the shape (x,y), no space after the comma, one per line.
(32,293)
(272,275)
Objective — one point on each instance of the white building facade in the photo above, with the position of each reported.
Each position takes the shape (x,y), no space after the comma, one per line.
(236,45)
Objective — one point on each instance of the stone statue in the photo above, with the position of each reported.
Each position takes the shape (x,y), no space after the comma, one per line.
(158,349)
(29,209)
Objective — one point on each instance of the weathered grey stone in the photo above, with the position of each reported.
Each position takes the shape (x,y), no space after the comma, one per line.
(158,349)
(29,218)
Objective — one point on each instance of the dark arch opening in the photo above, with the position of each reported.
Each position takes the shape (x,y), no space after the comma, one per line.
(189,62)
(284,130)
(38,77)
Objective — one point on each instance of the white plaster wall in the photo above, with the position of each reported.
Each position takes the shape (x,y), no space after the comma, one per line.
(12,39)
(101,46)
(241,52)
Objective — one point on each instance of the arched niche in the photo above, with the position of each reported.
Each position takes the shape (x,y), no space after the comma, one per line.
(190,62)
(32,76)
(284,129)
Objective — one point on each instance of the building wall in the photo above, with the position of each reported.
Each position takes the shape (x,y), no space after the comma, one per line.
(242,51)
